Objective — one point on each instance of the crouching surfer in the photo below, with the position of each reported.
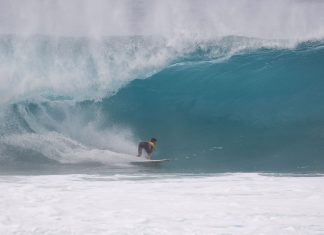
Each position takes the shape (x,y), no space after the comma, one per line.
(148,146)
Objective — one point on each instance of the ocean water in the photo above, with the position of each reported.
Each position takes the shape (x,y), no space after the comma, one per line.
(236,103)
(161,204)
(260,109)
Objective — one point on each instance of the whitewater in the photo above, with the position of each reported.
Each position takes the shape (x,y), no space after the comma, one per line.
(162,204)
(233,91)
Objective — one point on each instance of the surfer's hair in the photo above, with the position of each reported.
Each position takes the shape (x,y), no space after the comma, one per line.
(153,140)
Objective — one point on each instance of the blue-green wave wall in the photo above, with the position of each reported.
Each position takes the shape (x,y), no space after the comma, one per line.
(259,110)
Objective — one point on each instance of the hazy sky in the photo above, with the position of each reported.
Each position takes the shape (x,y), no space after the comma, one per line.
(257,18)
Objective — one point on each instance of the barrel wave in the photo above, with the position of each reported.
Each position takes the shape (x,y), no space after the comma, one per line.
(259,110)
(227,104)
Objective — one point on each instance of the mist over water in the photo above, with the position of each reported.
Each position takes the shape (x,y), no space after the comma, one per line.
(288,19)
(223,85)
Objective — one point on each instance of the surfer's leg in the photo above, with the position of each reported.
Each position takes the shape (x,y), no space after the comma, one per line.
(148,151)
(139,151)
(140,148)
(149,156)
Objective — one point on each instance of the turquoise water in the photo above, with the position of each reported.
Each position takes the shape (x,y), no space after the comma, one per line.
(232,104)
(259,110)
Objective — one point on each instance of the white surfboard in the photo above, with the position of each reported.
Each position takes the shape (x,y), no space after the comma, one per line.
(150,162)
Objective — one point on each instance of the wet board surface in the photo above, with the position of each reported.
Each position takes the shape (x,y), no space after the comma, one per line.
(150,162)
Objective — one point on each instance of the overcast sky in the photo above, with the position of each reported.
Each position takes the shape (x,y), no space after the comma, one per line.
(257,18)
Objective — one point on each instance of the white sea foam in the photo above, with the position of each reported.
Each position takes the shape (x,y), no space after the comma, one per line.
(57,147)
(161,204)
(71,139)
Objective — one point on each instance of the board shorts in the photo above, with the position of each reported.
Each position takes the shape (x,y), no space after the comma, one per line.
(144,145)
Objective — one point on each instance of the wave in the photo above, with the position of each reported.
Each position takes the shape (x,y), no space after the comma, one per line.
(259,110)
(68,68)
(227,103)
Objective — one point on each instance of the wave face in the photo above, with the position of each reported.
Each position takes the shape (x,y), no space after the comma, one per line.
(81,82)
(229,104)
(259,110)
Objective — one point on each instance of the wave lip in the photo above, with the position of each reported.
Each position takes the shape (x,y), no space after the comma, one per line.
(41,68)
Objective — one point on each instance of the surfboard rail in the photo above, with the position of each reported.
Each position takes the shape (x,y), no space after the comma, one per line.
(150,162)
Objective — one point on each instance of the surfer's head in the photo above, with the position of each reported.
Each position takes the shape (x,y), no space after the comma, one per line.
(153,140)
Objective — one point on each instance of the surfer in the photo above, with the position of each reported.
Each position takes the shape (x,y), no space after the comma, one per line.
(149,147)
